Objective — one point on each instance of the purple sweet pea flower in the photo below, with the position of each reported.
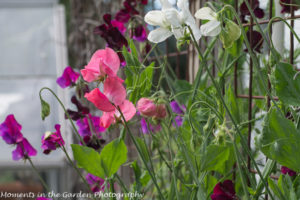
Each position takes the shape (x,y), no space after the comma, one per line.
(10,130)
(139,33)
(51,141)
(145,128)
(176,108)
(224,191)
(288,171)
(69,77)
(178,121)
(96,183)
(93,141)
(24,150)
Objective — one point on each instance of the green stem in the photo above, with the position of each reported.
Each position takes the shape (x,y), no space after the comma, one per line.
(140,153)
(112,188)
(38,174)
(121,183)
(65,111)
(76,169)
(243,142)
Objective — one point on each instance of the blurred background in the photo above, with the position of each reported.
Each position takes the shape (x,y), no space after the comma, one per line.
(38,39)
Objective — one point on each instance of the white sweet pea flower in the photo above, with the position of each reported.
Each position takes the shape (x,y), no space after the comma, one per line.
(211,28)
(171,22)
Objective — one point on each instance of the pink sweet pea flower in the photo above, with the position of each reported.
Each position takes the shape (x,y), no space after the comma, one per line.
(128,110)
(114,93)
(149,109)
(23,150)
(103,62)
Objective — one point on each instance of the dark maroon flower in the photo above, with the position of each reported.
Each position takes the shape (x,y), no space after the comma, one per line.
(81,110)
(119,25)
(224,191)
(96,183)
(139,33)
(69,77)
(24,150)
(147,48)
(286,6)
(123,16)
(144,2)
(10,130)
(258,12)
(288,171)
(257,41)
(51,141)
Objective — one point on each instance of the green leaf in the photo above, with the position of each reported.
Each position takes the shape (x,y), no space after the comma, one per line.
(287,84)
(112,156)
(275,189)
(182,86)
(105,164)
(280,140)
(88,159)
(215,158)
(230,33)
(45,109)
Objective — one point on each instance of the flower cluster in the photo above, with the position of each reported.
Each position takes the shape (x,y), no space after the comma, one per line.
(10,131)
(113,30)
(103,67)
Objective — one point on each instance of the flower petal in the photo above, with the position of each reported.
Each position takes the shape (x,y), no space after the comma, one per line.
(173,17)
(114,90)
(159,35)
(107,119)
(211,28)
(156,18)
(128,110)
(109,57)
(206,13)
(99,100)
(165,4)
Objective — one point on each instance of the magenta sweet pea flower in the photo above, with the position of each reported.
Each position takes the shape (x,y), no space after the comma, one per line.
(119,25)
(24,150)
(224,191)
(69,77)
(52,140)
(103,62)
(10,130)
(139,33)
(288,171)
(96,183)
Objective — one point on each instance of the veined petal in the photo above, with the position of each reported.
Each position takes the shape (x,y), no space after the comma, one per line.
(173,17)
(165,4)
(156,18)
(107,119)
(99,100)
(110,59)
(211,28)
(178,32)
(159,35)
(206,13)
(114,90)
(196,31)
(128,110)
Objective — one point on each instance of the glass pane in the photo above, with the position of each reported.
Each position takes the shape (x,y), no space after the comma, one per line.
(27,41)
